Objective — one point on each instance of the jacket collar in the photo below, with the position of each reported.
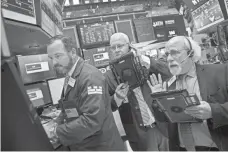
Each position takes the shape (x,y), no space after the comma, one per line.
(201,76)
(74,75)
(78,68)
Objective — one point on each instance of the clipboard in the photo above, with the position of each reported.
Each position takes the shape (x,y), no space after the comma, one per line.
(173,104)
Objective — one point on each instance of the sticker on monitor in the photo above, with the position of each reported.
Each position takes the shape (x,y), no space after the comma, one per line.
(35,94)
(101,56)
(36,67)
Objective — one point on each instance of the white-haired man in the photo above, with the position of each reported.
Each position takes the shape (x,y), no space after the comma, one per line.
(141,136)
(210,84)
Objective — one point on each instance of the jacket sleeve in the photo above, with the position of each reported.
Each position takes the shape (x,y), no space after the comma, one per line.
(111,89)
(220,111)
(158,66)
(92,111)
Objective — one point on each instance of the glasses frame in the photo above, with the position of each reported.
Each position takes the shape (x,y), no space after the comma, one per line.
(118,46)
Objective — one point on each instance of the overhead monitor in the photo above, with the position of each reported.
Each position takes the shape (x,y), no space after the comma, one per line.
(38,94)
(207,15)
(55,88)
(194,4)
(19,10)
(165,27)
(144,29)
(126,26)
(95,34)
(72,33)
(34,68)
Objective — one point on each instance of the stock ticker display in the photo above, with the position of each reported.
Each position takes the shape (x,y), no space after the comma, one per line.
(95,35)
(208,14)
(20,10)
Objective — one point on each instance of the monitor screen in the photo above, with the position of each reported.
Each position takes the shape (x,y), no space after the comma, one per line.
(126,27)
(38,94)
(23,11)
(165,27)
(34,68)
(97,57)
(144,29)
(96,34)
(56,87)
(207,15)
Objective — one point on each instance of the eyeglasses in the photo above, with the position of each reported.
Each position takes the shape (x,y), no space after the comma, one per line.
(174,53)
(56,57)
(118,46)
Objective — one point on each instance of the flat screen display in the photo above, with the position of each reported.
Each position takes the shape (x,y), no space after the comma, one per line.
(166,27)
(34,68)
(144,29)
(208,14)
(38,94)
(97,57)
(56,88)
(126,27)
(20,10)
(97,34)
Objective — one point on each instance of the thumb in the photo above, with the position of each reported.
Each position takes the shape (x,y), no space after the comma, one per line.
(119,86)
(149,84)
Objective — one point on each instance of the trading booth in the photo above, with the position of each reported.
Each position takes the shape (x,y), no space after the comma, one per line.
(30,87)
(27,74)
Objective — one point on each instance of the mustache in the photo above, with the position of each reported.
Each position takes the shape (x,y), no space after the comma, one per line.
(57,65)
(174,64)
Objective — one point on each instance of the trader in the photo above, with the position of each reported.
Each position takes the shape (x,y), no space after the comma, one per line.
(89,121)
(210,84)
(141,136)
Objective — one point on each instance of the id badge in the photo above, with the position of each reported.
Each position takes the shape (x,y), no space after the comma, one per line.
(71,113)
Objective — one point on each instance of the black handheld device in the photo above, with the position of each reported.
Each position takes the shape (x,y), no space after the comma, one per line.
(129,69)
(173,103)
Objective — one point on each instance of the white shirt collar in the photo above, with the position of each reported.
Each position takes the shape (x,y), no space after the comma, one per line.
(73,68)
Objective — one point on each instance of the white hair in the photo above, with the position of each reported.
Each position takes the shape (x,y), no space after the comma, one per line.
(119,36)
(194,45)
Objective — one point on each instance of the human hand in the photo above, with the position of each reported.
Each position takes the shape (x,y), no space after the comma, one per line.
(202,111)
(121,93)
(60,119)
(156,85)
(144,60)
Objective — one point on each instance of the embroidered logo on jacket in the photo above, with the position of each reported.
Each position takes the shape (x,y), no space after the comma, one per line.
(94,90)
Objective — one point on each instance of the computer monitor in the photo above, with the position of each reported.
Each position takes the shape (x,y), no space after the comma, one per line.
(207,15)
(55,88)
(92,35)
(38,94)
(34,68)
